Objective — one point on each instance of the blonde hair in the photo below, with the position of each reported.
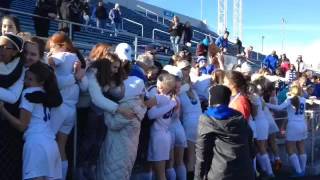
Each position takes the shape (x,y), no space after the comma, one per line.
(146,60)
(167,80)
(295,92)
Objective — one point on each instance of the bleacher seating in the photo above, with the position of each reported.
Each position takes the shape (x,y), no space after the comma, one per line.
(86,37)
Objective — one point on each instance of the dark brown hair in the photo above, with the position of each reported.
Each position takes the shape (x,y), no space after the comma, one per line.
(238,80)
(103,67)
(39,42)
(218,76)
(14,19)
(45,74)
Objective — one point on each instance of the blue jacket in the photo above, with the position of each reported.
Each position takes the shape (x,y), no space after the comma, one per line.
(138,72)
(221,42)
(316,91)
(271,62)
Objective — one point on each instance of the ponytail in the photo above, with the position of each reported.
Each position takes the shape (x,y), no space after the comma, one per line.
(295,92)
(45,74)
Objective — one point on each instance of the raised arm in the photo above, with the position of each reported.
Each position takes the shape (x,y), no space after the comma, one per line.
(11,95)
(157,112)
(98,98)
(280,107)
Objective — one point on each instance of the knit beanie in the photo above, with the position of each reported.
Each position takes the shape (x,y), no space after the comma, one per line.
(15,40)
(219,94)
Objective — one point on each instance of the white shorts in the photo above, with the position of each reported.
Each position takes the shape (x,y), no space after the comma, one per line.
(178,136)
(262,129)
(273,127)
(296,131)
(41,157)
(252,125)
(159,145)
(69,119)
(57,117)
(191,129)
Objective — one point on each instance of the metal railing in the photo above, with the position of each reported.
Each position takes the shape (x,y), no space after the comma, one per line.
(71,23)
(151,12)
(133,22)
(158,30)
(199,32)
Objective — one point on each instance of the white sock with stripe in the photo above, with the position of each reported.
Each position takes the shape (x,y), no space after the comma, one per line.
(295,163)
(303,161)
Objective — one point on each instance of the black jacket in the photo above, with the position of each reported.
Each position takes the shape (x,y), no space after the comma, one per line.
(176,31)
(86,8)
(187,34)
(223,148)
(101,12)
(43,7)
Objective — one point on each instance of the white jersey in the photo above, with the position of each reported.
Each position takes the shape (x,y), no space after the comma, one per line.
(41,157)
(162,112)
(64,62)
(190,113)
(40,116)
(190,109)
(134,86)
(294,115)
(261,123)
(201,85)
(258,102)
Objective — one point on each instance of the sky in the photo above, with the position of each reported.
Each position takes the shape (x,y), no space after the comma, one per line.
(301,34)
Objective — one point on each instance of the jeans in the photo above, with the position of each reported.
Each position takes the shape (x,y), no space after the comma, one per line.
(86,19)
(101,23)
(175,40)
(116,26)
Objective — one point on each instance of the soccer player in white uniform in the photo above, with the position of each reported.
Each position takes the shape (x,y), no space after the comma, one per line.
(190,113)
(296,131)
(160,140)
(262,128)
(41,158)
(63,60)
(179,140)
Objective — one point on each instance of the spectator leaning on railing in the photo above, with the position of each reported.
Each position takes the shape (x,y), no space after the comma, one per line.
(45,9)
(271,62)
(86,12)
(100,14)
(222,41)
(115,17)
(175,31)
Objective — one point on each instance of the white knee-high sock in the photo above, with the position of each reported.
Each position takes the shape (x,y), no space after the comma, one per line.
(261,163)
(171,174)
(146,176)
(64,169)
(295,163)
(266,160)
(181,172)
(254,161)
(303,161)
(271,157)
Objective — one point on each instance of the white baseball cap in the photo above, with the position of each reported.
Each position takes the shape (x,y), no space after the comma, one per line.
(124,51)
(173,70)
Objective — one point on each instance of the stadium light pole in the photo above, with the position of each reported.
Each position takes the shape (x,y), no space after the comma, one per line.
(201,9)
(262,39)
(283,23)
